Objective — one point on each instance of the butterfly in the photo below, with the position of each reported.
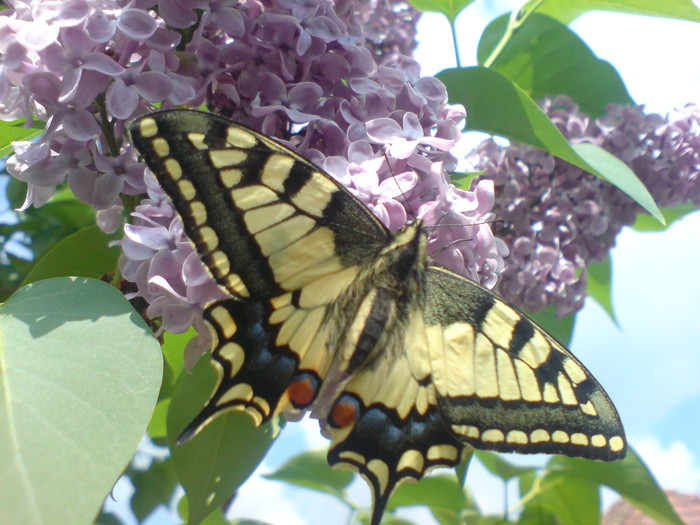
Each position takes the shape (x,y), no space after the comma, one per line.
(406,364)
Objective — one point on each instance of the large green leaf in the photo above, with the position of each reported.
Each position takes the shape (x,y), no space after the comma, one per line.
(449,8)
(568,10)
(609,167)
(310,469)
(80,374)
(546,58)
(630,478)
(86,253)
(223,455)
(496,105)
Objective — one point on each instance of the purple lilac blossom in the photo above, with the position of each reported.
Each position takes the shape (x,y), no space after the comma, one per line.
(389,28)
(555,218)
(301,71)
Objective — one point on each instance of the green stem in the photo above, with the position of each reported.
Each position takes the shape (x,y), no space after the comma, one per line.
(129,202)
(453,27)
(107,126)
(517,18)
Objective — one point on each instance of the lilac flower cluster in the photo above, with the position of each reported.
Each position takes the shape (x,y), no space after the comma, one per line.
(299,70)
(389,28)
(555,218)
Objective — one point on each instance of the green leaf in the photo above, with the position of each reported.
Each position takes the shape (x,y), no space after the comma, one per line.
(388,519)
(223,455)
(462,469)
(573,501)
(80,375)
(157,427)
(449,8)
(15,131)
(152,487)
(537,514)
(630,477)
(646,223)
(86,253)
(216,517)
(16,192)
(174,349)
(560,328)
(311,470)
(464,180)
(490,520)
(11,274)
(568,10)
(442,494)
(107,518)
(546,58)
(249,522)
(495,105)
(609,167)
(37,230)
(498,466)
(599,285)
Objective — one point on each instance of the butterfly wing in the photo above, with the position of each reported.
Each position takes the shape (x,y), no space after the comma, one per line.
(263,219)
(386,424)
(504,384)
(465,368)
(275,232)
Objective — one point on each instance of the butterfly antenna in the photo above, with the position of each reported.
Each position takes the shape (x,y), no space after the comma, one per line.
(413,215)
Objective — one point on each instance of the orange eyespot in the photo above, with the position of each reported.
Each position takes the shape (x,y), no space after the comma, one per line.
(344,413)
(302,390)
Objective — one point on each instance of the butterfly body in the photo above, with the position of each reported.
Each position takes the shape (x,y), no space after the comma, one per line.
(405,363)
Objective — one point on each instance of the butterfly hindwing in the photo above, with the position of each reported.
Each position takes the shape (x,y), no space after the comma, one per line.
(386,425)
(244,357)
(268,355)
(504,384)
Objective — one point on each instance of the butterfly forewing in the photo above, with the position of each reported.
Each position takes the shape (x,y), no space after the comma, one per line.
(263,219)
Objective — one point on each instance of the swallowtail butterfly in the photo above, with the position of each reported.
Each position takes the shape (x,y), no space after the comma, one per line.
(405,363)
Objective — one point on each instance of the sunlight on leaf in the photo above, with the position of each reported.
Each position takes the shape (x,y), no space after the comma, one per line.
(80,374)
(568,10)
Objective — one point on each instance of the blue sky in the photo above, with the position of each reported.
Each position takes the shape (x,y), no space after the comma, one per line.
(650,365)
